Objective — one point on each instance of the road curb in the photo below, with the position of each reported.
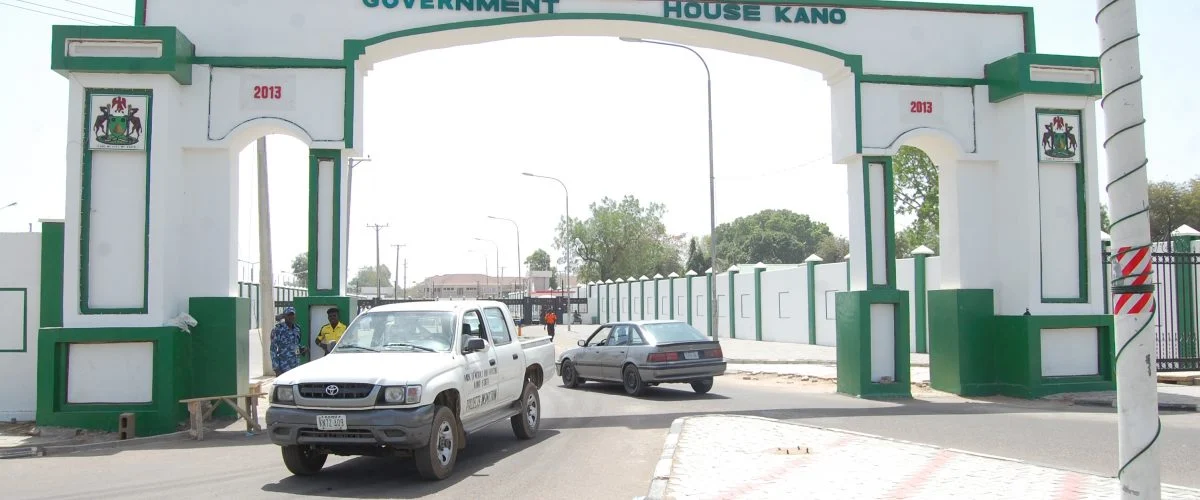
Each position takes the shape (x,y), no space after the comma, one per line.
(820,362)
(662,470)
(1104,403)
(63,449)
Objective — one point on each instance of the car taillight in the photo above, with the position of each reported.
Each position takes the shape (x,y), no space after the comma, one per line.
(659,357)
(713,353)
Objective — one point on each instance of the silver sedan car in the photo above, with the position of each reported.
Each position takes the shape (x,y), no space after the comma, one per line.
(638,354)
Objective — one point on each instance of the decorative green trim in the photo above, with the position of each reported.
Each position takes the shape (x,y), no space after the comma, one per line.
(269,62)
(961,341)
(139,12)
(710,321)
(889,221)
(1018,356)
(854,344)
(923,81)
(919,297)
(24,319)
(1185,299)
(629,299)
(315,156)
(1080,218)
(657,298)
(618,287)
(176,58)
(671,292)
(85,207)
(171,379)
(347,305)
(689,300)
(811,278)
(1104,267)
(734,300)
(220,347)
(52,281)
(642,298)
(607,303)
(1009,77)
(758,318)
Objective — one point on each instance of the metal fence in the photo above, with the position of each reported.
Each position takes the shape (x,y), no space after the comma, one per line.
(283,294)
(1176,331)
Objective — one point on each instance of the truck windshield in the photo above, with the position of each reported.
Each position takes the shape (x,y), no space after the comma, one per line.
(401,331)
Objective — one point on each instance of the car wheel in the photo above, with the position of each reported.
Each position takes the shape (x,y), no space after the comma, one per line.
(303,460)
(436,459)
(633,381)
(570,377)
(525,424)
(702,386)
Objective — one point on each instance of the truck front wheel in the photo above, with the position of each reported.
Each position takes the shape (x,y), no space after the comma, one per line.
(303,460)
(525,424)
(435,460)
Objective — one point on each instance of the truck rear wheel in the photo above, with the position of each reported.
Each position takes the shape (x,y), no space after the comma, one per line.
(303,460)
(525,424)
(435,460)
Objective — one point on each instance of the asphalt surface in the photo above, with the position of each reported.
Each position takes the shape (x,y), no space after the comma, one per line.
(596,442)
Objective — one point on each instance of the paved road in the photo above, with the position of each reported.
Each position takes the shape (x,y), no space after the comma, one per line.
(597,443)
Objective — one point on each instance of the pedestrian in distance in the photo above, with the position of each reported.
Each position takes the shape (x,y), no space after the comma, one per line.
(551,319)
(285,343)
(331,333)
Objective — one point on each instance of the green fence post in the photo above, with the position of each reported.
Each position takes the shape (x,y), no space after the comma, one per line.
(758,320)
(619,282)
(731,273)
(920,293)
(1185,289)
(688,279)
(811,266)
(657,294)
(642,306)
(671,294)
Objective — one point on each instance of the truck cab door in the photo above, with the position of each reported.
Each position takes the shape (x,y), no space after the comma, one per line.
(480,389)
(510,356)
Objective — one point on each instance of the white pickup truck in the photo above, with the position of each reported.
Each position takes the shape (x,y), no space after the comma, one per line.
(415,379)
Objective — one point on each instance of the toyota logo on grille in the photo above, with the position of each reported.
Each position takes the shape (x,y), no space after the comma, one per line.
(331,390)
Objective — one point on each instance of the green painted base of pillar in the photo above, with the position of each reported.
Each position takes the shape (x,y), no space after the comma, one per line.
(973,352)
(854,344)
(317,305)
(220,348)
(171,374)
(961,325)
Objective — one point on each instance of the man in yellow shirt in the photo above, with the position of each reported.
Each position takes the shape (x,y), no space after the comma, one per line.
(330,334)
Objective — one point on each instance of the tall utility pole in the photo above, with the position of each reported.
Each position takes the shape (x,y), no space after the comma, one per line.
(1138,424)
(567,244)
(378,281)
(396,289)
(266,286)
(406,277)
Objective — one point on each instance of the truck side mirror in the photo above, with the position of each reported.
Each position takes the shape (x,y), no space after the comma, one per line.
(474,344)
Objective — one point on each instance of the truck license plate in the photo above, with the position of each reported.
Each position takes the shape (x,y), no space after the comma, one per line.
(331,422)
(691,355)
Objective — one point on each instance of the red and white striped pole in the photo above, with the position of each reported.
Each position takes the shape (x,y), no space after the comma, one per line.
(1138,426)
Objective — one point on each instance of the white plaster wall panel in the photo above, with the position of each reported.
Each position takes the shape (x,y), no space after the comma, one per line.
(1016,282)
(843,111)
(19,269)
(831,278)
(700,303)
(648,300)
(890,111)
(906,280)
(325,209)
(721,291)
(856,197)
(343,242)
(680,299)
(1070,352)
(664,299)
(255,352)
(878,218)
(208,196)
(933,273)
(110,373)
(117,232)
(883,341)
(310,99)
(785,305)
(1059,221)
(636,302)
(961,43)
(744,300)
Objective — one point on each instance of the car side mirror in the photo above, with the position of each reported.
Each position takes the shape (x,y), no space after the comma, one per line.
(475,344)
(581,343)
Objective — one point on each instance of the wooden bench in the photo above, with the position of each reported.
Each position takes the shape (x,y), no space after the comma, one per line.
(202,408)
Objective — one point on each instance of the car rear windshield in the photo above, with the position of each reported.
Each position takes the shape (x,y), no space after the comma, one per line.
(666,333)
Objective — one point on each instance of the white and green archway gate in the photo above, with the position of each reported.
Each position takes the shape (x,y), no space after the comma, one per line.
(151,222)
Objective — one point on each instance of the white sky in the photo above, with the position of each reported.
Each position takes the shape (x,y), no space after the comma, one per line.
(450,131)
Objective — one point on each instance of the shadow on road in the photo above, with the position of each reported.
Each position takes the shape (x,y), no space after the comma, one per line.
(396,477)
(670,392)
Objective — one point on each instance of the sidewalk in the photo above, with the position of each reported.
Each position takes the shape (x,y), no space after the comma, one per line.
(730,457)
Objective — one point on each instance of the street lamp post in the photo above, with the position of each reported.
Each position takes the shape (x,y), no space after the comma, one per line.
(498,284)
(378,283)
(520,270)
(13,204)
(351,162)
(568,245)
(712,196)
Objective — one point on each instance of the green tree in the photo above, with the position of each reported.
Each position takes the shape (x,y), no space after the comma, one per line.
(697,260)
(366,276)
(300,268)
(769,236)
(539,260)
(619,240)
(1173,205)
(916,193)
(833,248)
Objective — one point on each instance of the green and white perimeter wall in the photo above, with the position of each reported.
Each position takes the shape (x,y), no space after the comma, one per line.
(159,110)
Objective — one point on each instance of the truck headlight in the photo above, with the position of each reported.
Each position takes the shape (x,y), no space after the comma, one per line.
(284,394)
(401,394)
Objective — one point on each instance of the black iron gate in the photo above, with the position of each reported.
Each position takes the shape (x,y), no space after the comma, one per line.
(527,311)
(1177,319)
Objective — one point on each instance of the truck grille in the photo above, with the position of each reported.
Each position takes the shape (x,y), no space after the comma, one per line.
(346,434)
(339,391)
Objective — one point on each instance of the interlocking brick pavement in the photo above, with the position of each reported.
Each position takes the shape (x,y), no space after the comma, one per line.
(728,457)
